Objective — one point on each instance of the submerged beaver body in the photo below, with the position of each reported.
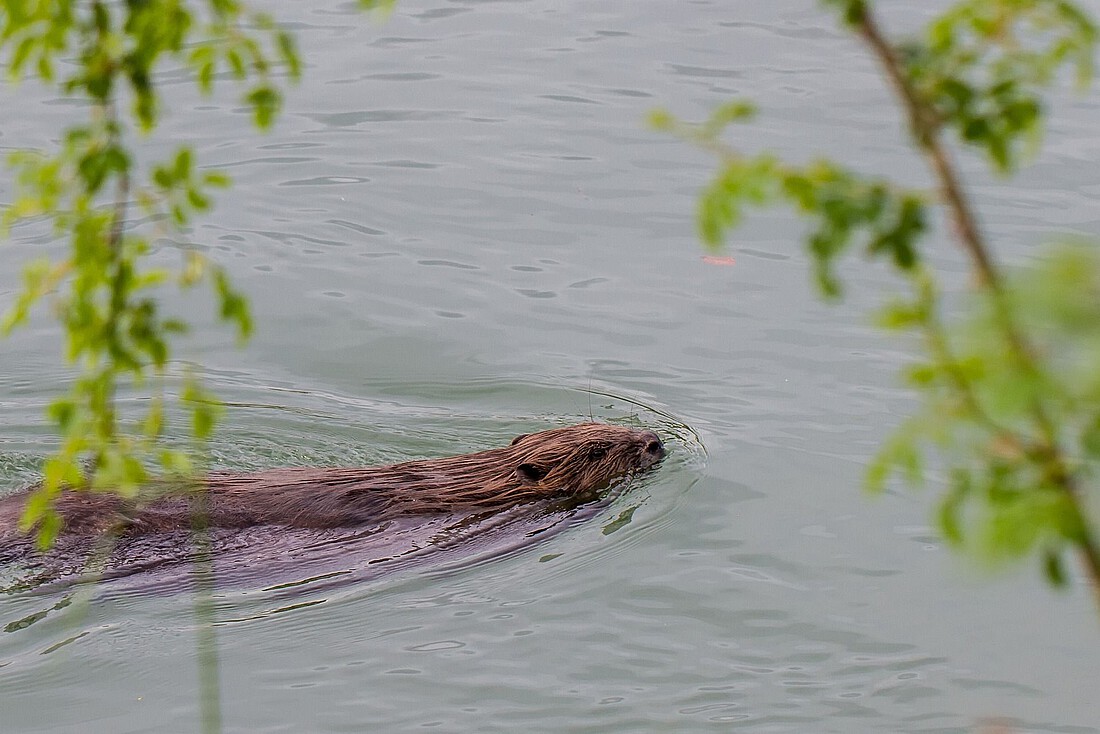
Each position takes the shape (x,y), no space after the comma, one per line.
(577,460)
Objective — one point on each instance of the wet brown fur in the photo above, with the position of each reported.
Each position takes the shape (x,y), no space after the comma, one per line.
(573,461)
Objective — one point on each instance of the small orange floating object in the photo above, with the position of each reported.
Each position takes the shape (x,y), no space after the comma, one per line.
(718,260)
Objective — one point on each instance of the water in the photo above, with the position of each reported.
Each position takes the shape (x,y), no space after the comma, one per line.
(460,231)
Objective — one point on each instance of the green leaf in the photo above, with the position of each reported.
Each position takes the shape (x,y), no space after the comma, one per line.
(921,375)
(724,115)
(1053,570)
(204,418)
(22,52)
(60,471)
(381,7)
(175,326)
(234,307)
(63,412)
(949,513)
(265,102)
(197,200)
(203,60)
(176,462)
(49,527)
(851,11)
(181,166)
(236,63)
(216,179)
(153,424)
(163,177)
(661,119)
(36,508)
(900,315)
(900,452)
(288,51)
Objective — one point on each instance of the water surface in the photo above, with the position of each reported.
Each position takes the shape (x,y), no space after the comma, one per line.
(461,231)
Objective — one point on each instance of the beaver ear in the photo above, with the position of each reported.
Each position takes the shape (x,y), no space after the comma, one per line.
(519,438)
(529,473)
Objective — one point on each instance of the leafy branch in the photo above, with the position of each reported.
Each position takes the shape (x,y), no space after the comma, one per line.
(103,290)
(1013,108)
(1011,401)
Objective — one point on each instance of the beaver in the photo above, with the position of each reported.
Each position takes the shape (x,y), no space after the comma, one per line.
(575,461)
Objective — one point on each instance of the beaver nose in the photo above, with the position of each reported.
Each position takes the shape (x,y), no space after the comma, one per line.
(653,446)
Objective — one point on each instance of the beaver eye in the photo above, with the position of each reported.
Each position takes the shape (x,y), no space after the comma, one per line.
(597,452)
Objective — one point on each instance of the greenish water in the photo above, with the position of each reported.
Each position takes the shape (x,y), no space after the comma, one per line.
(461,231)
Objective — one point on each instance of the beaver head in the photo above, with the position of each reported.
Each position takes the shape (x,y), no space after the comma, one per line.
(574,461)
(582,458)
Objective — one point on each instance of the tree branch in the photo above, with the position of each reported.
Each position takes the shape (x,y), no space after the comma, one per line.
(925,127)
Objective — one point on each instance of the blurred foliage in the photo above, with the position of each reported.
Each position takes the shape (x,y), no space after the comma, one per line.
(103,289)
(1015,485)
(1010,380)
(981,68)
(843,207)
